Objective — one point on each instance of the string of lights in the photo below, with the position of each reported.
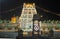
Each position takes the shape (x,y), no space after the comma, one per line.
(45,10)
(11,9)
(48,11)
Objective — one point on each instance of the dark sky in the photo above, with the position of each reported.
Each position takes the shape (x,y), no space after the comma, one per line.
(50,5)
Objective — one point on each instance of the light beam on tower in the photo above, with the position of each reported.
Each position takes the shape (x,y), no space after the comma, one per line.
(26,18)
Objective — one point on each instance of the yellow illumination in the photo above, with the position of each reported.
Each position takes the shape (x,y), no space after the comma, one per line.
(13,19)
(29,5)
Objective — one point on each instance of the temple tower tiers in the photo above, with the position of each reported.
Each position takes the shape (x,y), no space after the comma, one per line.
(26,18)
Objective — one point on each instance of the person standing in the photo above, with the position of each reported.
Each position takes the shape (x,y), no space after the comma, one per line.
(51,33)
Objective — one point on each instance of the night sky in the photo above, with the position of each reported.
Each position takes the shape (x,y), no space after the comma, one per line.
(6,5)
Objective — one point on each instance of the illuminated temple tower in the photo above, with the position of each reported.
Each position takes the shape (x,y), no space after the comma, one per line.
(26,18)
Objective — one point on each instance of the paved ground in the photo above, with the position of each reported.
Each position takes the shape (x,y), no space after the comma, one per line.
(7,38)
(10,35)
(40,37)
